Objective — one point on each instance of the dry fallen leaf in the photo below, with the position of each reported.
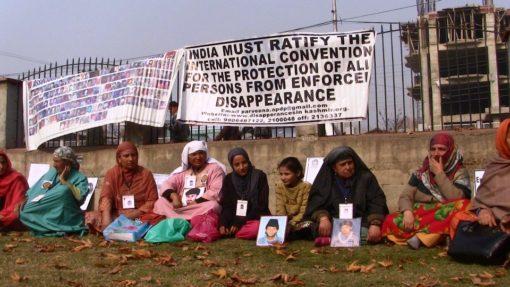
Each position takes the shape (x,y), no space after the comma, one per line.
(84,244)
(115,270)
(200,247)
(146,279)
(104,243)
(500,272)
(385,263)
(45,248)
(141,253)
(287,279)
(73,283)
(221,273)
(334,269)
(126,283)
(9,247)
(456,279)
(367,268)
(21,261)
(486,275)
(482,282)
(442,254)
(26,239)
(247,281)
(248,254)
(18,278)
(209,263)
(291,257)
(61,266)
(166,260)
(353,267)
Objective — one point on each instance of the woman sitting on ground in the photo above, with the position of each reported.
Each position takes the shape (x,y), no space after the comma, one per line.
(128,189)
(245,197)
(292,197)
(434,194)
(197,170)
(491,205)
(13,186)
(344,179)
(53,203)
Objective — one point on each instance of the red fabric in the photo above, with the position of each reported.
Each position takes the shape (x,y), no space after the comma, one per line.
(501,144)
(428,218)
(447,140)
(126,146)
(204,228)
(322,241)
(461,216)
(249,230)
(13,186)
(152,218)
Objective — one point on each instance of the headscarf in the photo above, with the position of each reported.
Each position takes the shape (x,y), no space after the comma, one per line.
(9,176)
(245,186)
(67,153)
(325,181)
(127,175)
(493,192)
(192,147)
(501,144)
(452,162)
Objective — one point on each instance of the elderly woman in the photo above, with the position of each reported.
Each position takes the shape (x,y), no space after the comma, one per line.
(13,186)
(53,203)
(435,192)
(197,170)
(345,179)
(128,189)
(491,205)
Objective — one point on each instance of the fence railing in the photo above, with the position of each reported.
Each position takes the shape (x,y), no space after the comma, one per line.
(409,76)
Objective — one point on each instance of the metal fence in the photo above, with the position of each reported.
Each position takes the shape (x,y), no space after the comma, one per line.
(415,65)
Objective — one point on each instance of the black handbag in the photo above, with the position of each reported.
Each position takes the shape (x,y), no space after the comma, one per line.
(478,243)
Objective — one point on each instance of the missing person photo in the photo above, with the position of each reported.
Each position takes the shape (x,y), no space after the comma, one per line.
(346,232)
(271,230)
(191,195)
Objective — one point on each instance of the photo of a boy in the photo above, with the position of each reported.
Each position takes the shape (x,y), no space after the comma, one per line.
(270,236)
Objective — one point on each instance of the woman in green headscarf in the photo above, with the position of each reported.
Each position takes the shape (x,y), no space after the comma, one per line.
(53,203)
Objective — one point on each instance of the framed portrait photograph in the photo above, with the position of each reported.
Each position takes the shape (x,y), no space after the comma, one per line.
(271,230)
(313,165)
(192,194)
(346,232)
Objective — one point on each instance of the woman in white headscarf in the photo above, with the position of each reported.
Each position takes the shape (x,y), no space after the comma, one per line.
(194,187)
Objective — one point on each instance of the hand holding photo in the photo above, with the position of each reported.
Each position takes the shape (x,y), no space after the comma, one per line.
(271,230)
(192,194)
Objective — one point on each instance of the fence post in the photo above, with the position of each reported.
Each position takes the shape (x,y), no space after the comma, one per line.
(10,90)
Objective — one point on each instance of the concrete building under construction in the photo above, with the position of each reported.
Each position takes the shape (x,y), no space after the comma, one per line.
(459,64)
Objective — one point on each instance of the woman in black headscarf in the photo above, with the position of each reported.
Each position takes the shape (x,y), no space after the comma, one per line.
(344,178)
(244,197)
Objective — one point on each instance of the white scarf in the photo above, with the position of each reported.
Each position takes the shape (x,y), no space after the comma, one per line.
(192,147)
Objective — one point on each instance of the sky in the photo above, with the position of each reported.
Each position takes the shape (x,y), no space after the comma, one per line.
(35,32)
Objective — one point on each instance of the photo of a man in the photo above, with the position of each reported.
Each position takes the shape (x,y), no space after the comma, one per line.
(191,195)
(269,231)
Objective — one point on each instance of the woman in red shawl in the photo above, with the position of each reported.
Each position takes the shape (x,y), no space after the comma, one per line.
(434,194)
(491,205)
(128,189)
(13,186)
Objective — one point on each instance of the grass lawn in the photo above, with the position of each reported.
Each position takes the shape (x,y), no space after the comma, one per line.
(90,261)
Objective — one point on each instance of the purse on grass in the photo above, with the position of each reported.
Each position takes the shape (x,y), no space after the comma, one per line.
(478,243)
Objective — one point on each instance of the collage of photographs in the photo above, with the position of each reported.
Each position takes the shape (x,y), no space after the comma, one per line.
(88,97)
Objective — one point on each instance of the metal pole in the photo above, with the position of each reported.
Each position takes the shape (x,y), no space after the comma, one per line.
(330,127)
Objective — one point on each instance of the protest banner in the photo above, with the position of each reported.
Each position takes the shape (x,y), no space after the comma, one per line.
(138,92)
(279,80)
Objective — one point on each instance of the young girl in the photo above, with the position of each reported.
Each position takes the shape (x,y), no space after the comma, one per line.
(244,197)
(292,196)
